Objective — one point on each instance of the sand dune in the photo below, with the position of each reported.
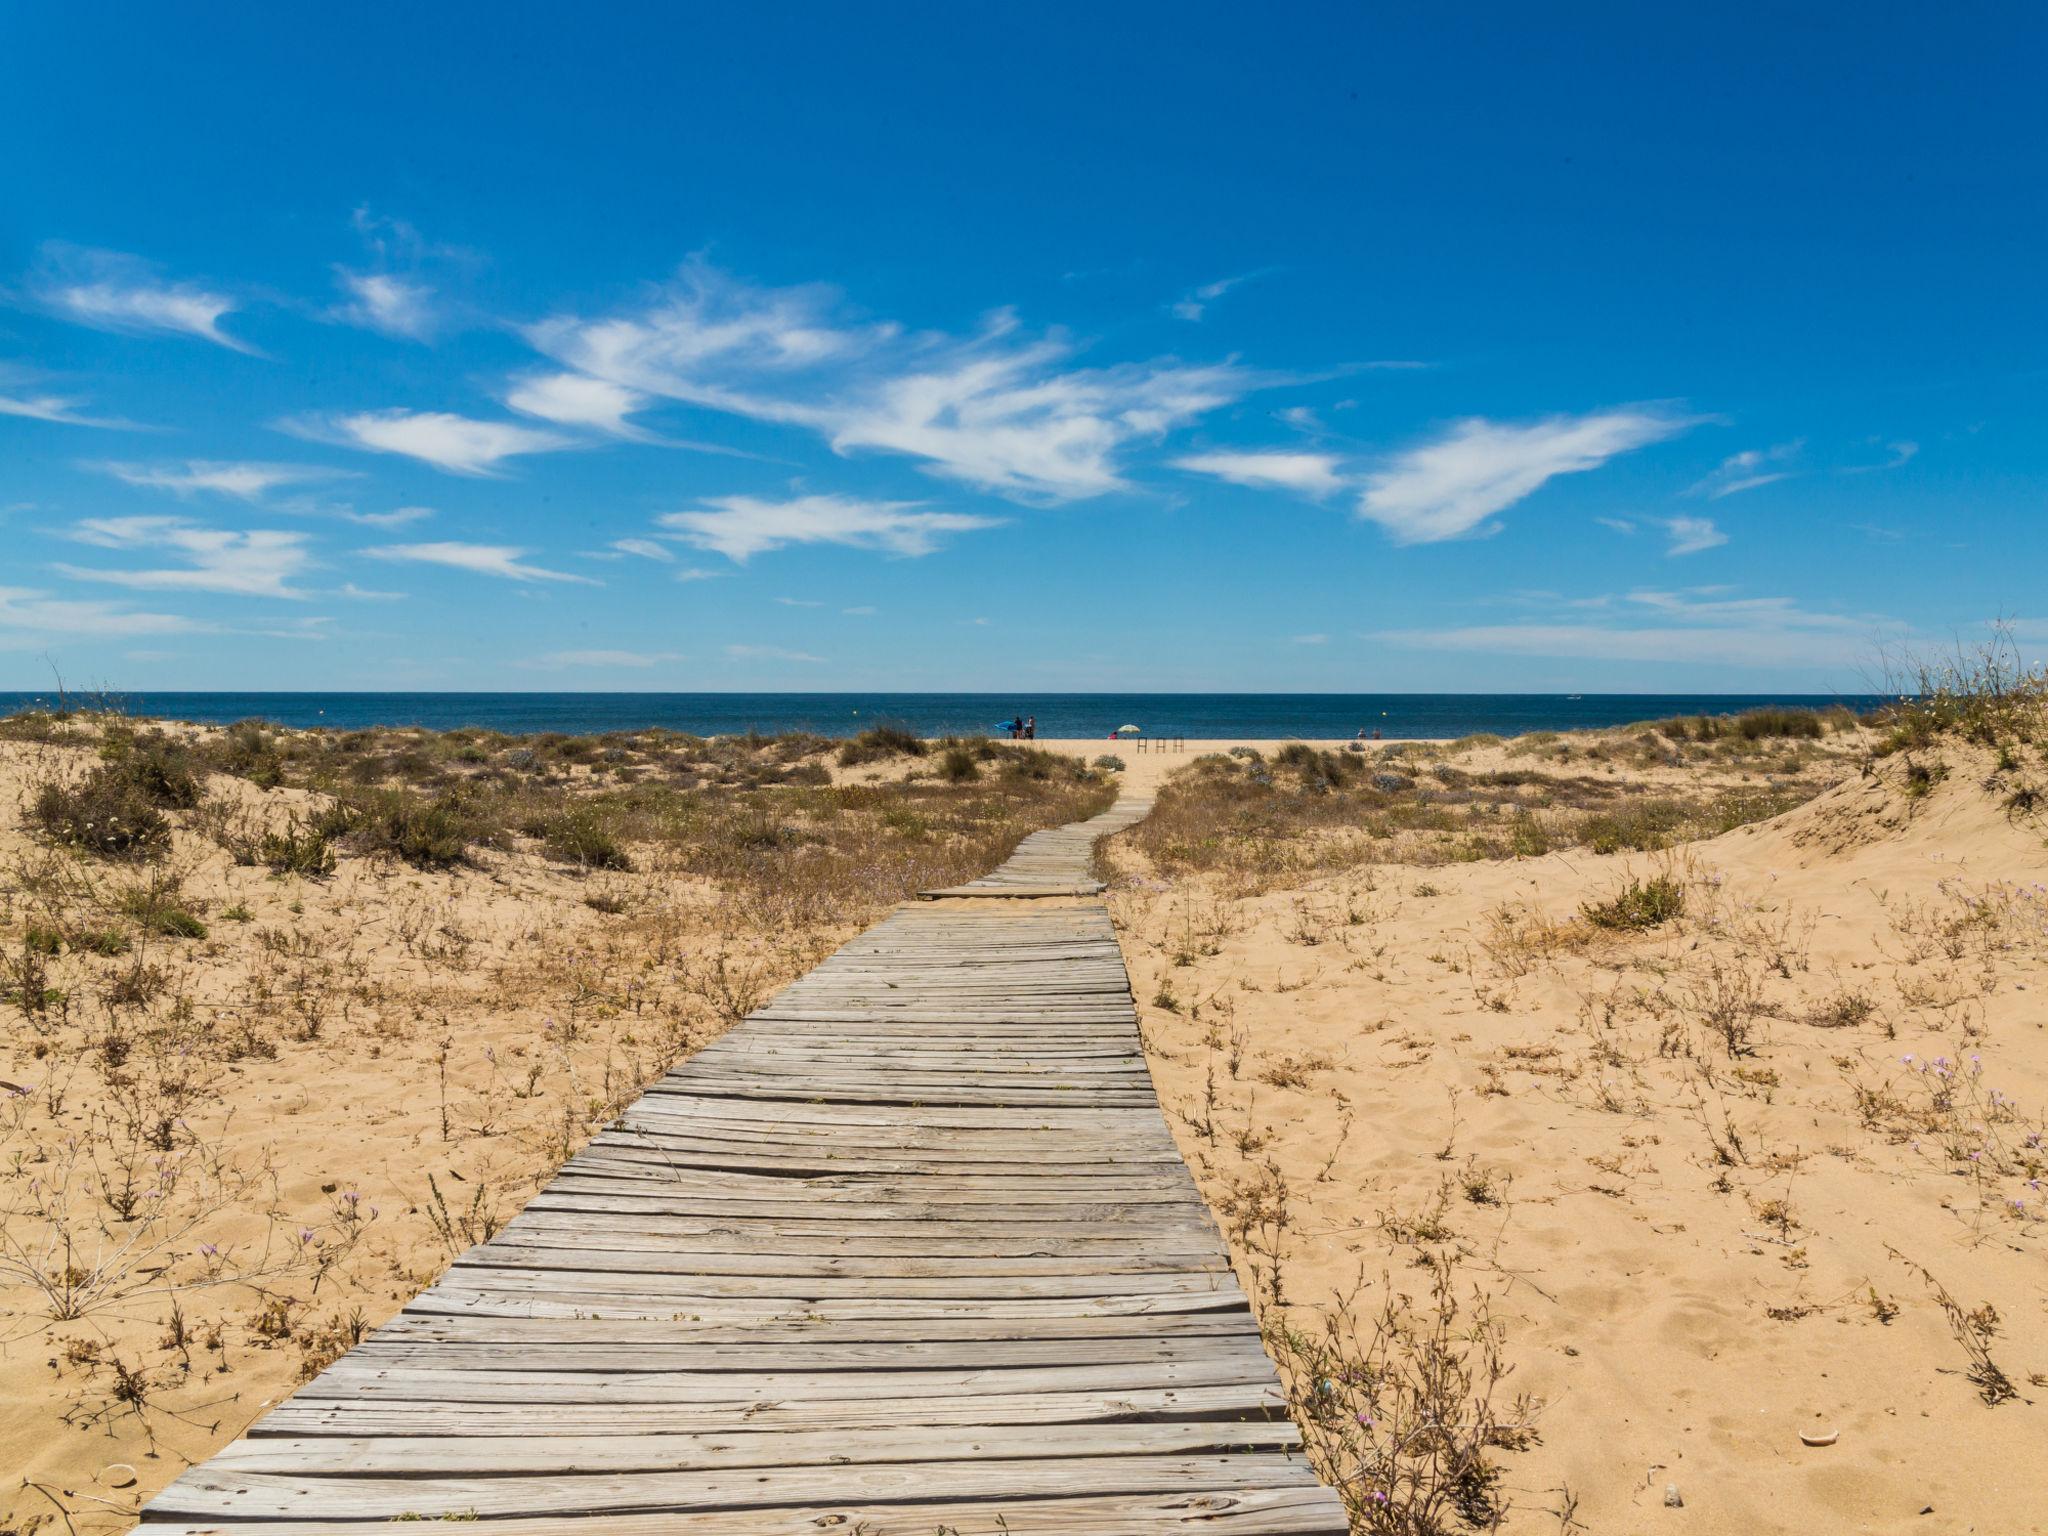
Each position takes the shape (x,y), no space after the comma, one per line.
(1715,1182)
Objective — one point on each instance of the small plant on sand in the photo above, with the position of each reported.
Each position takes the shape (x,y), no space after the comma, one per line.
(297,850)
(1401,1409)
(1638,905)
(154,904)
(1974,1330)
(583,837)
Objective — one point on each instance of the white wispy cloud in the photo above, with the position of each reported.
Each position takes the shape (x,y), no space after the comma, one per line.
(382,301)
(62,410)
(501,560)
(1748,470)
(460,445)
(1193,304)
(1617,524)
(645,549)
(698,573)
(110,291)
(1690,535)
(799,602)
(1308,639)
(258,562)
(392,294)
(740,527)
(1451,486)
(1311,474)
(242,480)
(578,400)
(23,397)
(1898,456)
(397,517)
(1699,625)
(35,613)
(768,653)
(999,409)
(557,660)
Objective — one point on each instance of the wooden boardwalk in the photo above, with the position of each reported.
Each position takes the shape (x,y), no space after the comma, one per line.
(908,1251)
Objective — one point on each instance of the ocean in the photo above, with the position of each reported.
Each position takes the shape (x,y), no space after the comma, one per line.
(1197,716)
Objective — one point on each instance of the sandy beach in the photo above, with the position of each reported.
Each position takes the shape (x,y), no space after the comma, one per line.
(1665,1113)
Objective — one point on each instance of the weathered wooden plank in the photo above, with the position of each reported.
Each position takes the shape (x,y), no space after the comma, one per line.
(206,1490)
(367,1416)
(1242,1512)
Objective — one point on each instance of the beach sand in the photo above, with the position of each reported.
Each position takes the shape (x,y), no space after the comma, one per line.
(1766,1171)
(1687,1177)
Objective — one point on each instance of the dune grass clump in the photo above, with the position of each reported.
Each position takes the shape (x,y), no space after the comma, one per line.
(306,850)
(104,813)
(585,838)
(248,749)
(1757,725)
(880,743)
(1639,905)
(154,904)
(1989,696)
(428,832)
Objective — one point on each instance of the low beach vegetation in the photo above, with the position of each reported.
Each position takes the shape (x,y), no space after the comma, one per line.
(290,1018)
(1298,810)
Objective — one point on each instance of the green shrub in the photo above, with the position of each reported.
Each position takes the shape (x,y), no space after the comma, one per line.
(1643,825)
(1109,762)
(582,837)
(1639,905)
(155,908)
(398,823)
(247,750)
(107,942)
(160,769)
(957,766)
(298,850)
(103,813)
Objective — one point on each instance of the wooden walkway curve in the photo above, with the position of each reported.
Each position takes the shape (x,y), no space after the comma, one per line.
(908,1251)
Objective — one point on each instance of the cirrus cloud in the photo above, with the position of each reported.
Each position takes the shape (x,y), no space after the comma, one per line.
(740,527)
(1450,487)
(256,562)
(460,445)
(1311,474)
(997,409)
(111,291)
(501,560)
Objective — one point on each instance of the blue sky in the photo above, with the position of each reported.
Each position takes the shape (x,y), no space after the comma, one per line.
(1065,347)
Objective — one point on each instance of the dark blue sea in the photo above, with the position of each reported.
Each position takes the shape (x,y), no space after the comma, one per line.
(1212,716)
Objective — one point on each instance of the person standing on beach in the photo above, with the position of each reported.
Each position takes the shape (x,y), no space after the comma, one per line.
(1031,727)
(1016,727)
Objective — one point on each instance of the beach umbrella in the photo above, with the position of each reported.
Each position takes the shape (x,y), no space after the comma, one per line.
(1128,730)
